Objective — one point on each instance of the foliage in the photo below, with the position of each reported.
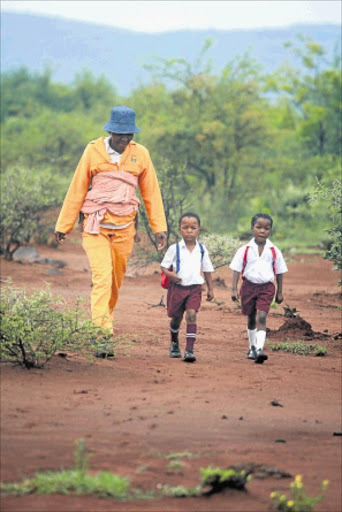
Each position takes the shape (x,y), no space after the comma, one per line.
(33,329)
(25,197)
(314,97)
(220,478)
(300,347)
(224,144)
(73,481)
(175,464)
(221,248)
(330,195)
(175,199)
(299,501)
(179,491)
(181,455)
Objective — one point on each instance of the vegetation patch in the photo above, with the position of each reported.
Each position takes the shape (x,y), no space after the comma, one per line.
(298,501)
(218,479)
(299,347)
(75,481)
(34,327)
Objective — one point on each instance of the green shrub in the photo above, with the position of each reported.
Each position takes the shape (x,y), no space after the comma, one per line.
(221,478)
(33,329)
(74,481)
(330,196)
(299,501)
(26,196)
(221,248)
(299,347)
(179,491)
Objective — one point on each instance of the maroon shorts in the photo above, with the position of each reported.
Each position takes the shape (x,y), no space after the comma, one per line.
(181,298)
(256,296)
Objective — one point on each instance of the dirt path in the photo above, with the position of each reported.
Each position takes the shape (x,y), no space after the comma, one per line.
(136,409)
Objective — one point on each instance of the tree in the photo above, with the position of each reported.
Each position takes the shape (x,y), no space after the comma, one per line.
(215,126)
(330,194)
(314,97)
(25,197)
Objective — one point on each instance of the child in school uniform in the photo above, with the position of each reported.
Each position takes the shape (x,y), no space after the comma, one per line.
(187,259)
(259,262)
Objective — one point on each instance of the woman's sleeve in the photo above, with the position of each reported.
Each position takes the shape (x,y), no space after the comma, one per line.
(75,196)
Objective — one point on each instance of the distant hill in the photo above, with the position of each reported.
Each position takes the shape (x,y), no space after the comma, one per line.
(69,46)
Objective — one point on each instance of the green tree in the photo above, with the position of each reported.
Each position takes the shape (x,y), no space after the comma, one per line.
(25,198)
(313,93)
(214,127)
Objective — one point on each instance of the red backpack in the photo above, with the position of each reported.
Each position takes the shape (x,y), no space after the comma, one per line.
(244,263)
(164,280)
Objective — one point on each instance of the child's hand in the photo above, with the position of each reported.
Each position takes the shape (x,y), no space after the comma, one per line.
(210,295)
(235,295)
(174,278)
(279,298)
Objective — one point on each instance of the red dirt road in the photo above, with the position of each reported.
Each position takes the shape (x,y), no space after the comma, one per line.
(135,410)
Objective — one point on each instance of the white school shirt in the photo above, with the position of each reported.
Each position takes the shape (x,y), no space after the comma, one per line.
(115,157)
(259,269)
(190,263)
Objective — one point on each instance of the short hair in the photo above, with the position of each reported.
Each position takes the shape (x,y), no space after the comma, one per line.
(261,216)
(189,214)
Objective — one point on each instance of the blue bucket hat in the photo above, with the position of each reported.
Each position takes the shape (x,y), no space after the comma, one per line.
(122,120)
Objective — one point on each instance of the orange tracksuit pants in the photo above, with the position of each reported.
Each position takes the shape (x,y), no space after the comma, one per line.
(108,254)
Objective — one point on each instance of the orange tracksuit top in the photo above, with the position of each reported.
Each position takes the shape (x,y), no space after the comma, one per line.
(136,160)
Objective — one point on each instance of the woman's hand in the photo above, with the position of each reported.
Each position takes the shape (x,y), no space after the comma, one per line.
(60,237)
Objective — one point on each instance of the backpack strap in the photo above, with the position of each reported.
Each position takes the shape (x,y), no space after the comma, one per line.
(178,256)
(177,259)
(274,254)
(202,251)
(244,262)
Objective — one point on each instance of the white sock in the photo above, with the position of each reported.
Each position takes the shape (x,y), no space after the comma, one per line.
(251,337)
(260,339)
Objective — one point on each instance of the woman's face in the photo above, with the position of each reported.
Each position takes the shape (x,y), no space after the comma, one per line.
(119,141)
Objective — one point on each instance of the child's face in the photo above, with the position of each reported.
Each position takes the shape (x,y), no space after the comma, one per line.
(261,230)
(189,229)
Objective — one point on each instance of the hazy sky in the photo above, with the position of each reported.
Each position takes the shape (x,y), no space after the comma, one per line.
(165,15)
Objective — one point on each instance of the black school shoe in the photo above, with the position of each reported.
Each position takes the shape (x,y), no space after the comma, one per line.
(189,356)
(252,354)
(174,350)
(260,356)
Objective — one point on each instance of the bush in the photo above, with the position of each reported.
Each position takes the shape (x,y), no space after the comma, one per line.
(219,479)
(221,248)
(32,329)
(73,481)
(25,196)
(300,347)
(330,195)
(299,501)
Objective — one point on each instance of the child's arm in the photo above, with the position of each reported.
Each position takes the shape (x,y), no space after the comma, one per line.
(279,293)
(234,294)
(209,283)
(171,275)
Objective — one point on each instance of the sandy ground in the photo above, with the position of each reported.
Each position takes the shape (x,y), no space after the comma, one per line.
(135,410)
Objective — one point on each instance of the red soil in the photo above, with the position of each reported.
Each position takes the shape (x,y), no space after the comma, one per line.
(136,409)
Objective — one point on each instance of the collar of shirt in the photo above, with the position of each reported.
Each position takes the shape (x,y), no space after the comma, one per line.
(182,244)
(115,157)
(255,246)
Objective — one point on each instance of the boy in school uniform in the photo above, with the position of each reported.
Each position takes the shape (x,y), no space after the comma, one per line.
(259,262)
(185,285)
